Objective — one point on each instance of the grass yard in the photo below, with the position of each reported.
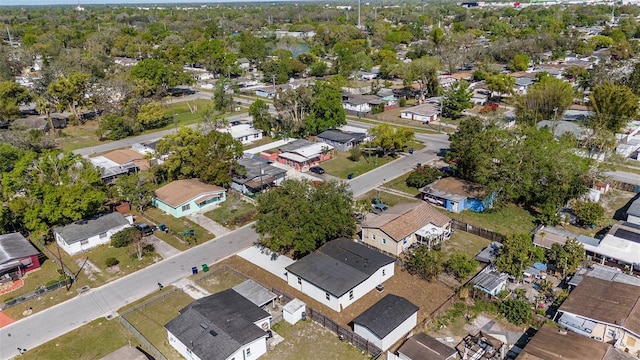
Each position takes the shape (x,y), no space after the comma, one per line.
(503,219)
(387,198)
(217,280)
(308,340)
(400,184)
(388,117)
(78,137)
(615,204)
(463,242)
(127,265)
(265,140)
(183,113)
(150,320)
(177,226)
(341,166)
(233,213)
(90,341)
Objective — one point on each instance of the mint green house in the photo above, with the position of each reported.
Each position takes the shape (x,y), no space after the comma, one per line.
(183,197)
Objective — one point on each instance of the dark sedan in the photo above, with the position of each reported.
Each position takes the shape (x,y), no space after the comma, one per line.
(317,169)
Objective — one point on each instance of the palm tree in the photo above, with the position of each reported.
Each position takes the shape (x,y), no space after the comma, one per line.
(44,107)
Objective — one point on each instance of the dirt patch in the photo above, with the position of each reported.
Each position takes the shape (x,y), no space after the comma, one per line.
(114,269)
(428,296)
(89,269)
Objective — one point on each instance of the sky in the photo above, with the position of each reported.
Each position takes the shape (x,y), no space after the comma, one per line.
(102,2)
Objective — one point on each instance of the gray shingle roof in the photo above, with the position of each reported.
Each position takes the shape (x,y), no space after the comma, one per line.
(386,315)
(634,208)
(339,266)
(254,169)
(14,247)
(341,136)
(423,347)
(87,228)
(228,315)
(254,292)
(295,145)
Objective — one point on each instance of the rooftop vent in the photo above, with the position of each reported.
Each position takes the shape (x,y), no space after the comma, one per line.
(204,326)
(213,333)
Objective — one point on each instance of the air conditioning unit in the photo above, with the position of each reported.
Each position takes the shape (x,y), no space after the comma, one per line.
(597,338)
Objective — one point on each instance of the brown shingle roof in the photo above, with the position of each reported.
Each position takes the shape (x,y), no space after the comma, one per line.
(550,344)
(459,187)
(404,219)
(179,192)
(124,156)
(606,301)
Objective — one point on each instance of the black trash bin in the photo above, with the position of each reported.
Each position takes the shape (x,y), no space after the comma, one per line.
(304,316)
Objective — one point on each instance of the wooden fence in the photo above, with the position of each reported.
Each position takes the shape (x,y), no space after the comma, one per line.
(343,333)
(472,229)
(620,185)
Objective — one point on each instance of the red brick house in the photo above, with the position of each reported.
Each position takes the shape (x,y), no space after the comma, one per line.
(301,154)
(17,255)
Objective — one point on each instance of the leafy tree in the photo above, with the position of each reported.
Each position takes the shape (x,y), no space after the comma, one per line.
(501,84)
(456,99)
(9,156)
(262,119)
(117,127)
(519,62)
(600,41)
(319,68)
(180,147)
(355,153)
(125,237)
(293,107)
(568,257)
(613,106)
(12,96)
(588,212)
(388,138)
(547,99)
(157,77)
(425,72)
(251,47)
(423,176)
(515,254)
(424,262)
(151,115)
(216,157)
(307,58)
(136,188)
(326,110)
(56,189)
(300,217)
(633,80)
(68,92)
(517,311)
(223,96)
(461,265)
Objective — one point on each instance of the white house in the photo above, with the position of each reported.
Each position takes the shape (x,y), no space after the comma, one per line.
(423,113)
(633,212)
(490,281)
(340,272)
(89,233)
(387,321)
(245,133)
(223,326)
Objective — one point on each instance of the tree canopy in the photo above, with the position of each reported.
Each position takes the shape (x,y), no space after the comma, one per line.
(547,99)
(613,106)
(456,99)
(388,138)
(300,216)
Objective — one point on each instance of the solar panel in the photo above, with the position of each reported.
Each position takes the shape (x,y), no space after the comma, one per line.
(213,333)
(628,235)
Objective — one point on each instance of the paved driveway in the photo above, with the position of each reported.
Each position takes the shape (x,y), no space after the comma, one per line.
(162,248)
(267,260)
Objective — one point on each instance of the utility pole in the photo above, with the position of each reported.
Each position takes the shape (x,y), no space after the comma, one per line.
(10,39)
(359,26)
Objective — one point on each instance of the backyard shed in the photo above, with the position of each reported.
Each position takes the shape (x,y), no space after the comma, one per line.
(293,310)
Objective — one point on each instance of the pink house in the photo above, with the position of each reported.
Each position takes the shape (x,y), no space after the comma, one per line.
(17,255)
(301,154)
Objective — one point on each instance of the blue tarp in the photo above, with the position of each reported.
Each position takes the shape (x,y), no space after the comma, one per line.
(540,266)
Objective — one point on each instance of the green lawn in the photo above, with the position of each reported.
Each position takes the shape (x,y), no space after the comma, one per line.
(177,226)
(341,166)
(504,219)
(233,213)
(217,280)
(387,198)
(463,242)
(90,341)
(400,184)
(265,140)
(150,320)
(308,340)
(127,265)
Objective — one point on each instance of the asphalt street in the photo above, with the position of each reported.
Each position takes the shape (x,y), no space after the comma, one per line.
(623,176)
(69,315)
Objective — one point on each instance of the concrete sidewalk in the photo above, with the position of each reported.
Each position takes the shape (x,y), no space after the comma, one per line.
(267,260)
(209,225)
(271,145)
(162,248)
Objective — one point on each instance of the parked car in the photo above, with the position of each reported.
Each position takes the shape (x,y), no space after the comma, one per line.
(145,229)
(379,207)
(317,169)
(235,123)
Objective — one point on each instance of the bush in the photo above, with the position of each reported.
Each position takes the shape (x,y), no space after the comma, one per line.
(461,266)
(124,237)
(423,176)
(516,311)
(109,262)
(355,153)
(588,212)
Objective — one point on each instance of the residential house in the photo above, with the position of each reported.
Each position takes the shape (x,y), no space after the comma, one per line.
(17,255)
(550,343)
(31,123)
(301,154)
(119,162)
(404,225)
(268,92)
(256,293)
(183,197)
(481,346)
(89,233)
(124,61)
(559,128)
(604,310)
(522,84)
(425,113)
(633,212)
(456,195)
(341,140)
(366,75)
(387,321)
(424,347)
(245,133)
(340,272)
(244,64)
(490,281)
(356,103)
(258,176)
(222,326)
(488,255)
